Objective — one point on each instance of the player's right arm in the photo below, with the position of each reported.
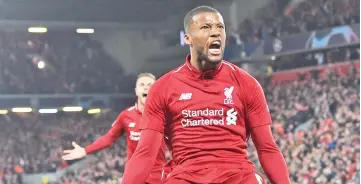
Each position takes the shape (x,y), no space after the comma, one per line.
(104,141)
(152,124)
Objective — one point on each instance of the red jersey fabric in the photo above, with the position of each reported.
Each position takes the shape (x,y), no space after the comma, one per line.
(128,122)
(207,118)
(230,176)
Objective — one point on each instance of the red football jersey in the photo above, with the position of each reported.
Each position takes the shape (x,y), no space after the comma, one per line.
(128,122)
(206,121)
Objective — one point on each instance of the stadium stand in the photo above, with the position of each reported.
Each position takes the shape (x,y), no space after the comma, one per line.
(73,64)
(279,19)
(316,124)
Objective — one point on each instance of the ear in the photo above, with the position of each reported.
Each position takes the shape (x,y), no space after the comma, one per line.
(187,39)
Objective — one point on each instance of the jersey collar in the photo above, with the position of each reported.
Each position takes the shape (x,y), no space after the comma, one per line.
(137,109)
(209,74)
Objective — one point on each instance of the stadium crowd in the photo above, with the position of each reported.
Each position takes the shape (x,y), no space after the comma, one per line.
(33,143)
(57,62)
(316,125)
(278,18)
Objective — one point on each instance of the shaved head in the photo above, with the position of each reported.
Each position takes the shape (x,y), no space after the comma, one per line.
(200,9)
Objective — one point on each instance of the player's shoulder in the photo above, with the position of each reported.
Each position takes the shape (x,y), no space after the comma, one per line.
(242,76)
(128,111)
(166,79)
(131,108)
(122,116)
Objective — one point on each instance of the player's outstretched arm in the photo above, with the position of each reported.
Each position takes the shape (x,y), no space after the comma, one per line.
(269,155)
(103,142)
(141,163)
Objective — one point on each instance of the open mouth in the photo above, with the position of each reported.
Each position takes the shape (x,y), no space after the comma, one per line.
(145,95)
(215,47)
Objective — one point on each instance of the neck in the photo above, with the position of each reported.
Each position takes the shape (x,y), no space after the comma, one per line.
(140,106)
(201,65)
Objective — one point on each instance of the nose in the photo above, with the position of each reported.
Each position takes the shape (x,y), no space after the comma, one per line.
(215,33)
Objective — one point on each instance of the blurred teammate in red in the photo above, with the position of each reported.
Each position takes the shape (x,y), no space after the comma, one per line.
(127,121)
(207,108)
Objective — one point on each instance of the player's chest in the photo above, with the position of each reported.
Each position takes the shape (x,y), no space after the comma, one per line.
(212,98)
(131,125)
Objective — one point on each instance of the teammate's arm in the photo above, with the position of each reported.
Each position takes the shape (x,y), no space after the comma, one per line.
(259,121)
(152,124)
(104,141)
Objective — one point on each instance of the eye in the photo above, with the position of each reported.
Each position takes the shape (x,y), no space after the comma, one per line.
(204,27)
(221,26)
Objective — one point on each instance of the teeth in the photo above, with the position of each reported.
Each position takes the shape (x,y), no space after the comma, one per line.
(216,42)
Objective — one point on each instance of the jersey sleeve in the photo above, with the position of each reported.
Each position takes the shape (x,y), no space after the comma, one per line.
(269,155)
(109,138)
(257,109)
(154,115)
(137,170)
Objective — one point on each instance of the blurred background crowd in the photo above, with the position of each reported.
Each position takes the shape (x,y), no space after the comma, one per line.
(56,63)
(316,120)
(279,18)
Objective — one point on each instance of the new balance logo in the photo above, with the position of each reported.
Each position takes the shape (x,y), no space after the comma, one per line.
(185,96)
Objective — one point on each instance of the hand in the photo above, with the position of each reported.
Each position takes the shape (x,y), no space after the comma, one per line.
(77,153)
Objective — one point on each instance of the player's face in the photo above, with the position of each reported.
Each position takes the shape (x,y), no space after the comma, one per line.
(142,87)
(207,36)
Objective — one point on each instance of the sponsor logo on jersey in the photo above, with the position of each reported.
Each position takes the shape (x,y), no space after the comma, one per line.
(134,136)
(231,117)
(209,117)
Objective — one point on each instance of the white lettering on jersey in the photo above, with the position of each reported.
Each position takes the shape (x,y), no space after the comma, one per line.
(134,136)
(209,117)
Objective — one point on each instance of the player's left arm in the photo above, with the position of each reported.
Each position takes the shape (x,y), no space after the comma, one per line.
(259,120)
